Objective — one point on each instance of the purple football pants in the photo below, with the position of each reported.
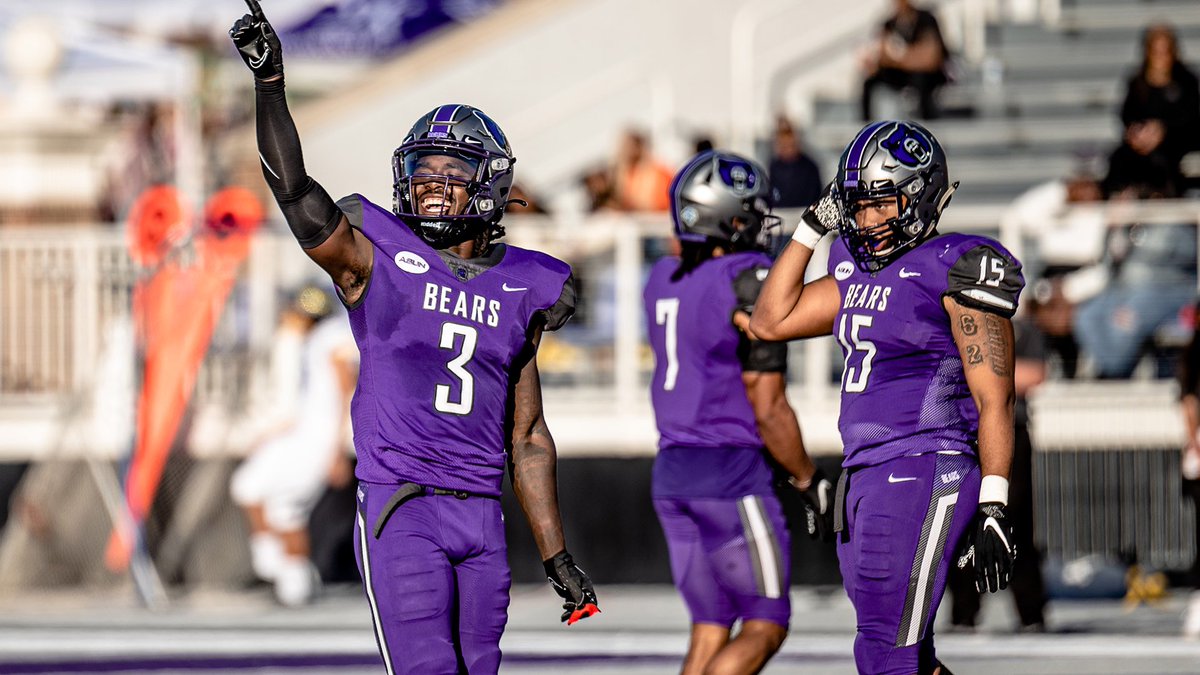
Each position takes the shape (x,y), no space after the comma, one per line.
(730,558)
(437,581)
(904,520)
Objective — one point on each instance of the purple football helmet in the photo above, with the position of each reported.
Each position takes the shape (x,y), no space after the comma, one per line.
(892,160)
(714,189)
(483,165)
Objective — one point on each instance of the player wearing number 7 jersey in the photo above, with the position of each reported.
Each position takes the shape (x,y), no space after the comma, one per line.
(447,322)
(927,391)
(720,407)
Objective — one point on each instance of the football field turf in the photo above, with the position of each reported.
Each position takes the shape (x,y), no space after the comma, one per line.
(642,630)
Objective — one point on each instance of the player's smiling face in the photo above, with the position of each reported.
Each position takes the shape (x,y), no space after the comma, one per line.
(871,217)
(439,184)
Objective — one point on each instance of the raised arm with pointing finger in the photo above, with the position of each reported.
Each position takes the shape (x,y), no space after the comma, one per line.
(314,218)
(448,398)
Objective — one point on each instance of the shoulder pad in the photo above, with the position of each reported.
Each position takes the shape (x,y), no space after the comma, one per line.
(747,284)
(564,308)
(987,279)
(351,206)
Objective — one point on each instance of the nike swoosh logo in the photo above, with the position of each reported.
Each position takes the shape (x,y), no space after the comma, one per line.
(510,289)
(905,274)
(892,478)
(991,524)
(261,60)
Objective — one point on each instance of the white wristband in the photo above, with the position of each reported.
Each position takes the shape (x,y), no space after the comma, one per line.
(993,489)
(806,236)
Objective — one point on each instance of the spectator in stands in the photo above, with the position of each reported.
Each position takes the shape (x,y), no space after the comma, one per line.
(1064,221)
(278,485)
(600,194)
(909,54)
(1164,94)
(1028,587)
(640,181)
(794,174)
(1189,398)
(1143,165)
(1151,274)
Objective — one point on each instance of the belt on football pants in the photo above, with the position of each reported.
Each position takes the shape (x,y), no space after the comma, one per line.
(839,502)
(408,491)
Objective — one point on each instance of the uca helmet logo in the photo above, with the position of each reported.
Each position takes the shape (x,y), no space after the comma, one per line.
(908,146)
(737,175)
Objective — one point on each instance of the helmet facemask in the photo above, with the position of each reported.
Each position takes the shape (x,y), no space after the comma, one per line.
(757,230)
(877,245)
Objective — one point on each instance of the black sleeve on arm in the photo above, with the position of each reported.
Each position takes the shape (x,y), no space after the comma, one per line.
(563,309)
(309,210)
(983,278)
(757,356)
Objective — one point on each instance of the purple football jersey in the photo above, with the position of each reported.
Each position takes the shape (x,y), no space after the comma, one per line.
(903,388)
(437,351)
(709,443)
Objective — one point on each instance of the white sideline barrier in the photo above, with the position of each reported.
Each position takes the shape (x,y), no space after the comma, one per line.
(62,289)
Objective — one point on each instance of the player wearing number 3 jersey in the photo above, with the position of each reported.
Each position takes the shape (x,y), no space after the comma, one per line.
(447,322)
(927,390)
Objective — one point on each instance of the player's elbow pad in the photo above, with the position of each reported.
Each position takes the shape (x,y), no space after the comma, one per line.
(311,213)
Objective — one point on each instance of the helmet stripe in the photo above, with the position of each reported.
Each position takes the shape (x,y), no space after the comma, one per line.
(445,113)
(673,193)
(854,155)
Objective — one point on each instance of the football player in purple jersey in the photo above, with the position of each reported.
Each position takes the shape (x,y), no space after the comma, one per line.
(721,410)
(926,418)
(447,322)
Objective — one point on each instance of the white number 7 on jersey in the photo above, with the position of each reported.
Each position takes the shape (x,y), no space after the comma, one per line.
(666,312)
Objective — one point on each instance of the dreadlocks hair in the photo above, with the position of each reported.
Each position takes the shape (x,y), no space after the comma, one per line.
(691,255)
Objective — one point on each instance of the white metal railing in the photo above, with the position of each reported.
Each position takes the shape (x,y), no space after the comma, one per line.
(61,288)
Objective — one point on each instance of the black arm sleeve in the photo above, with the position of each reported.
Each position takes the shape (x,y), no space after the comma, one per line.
(309,210)
(757,356)
(986,279)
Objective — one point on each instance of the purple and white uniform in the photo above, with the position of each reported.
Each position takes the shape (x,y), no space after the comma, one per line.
(712,490)
(439,340)
(909,428)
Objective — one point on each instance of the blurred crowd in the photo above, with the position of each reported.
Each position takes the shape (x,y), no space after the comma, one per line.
(1112,279)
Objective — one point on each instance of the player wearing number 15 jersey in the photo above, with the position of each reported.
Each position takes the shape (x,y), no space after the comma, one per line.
(447,323)
(927,390)
(720,406)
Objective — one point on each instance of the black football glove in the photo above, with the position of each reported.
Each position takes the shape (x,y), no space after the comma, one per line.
(990,544)
(818,506)
(257,43)
(572,585)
